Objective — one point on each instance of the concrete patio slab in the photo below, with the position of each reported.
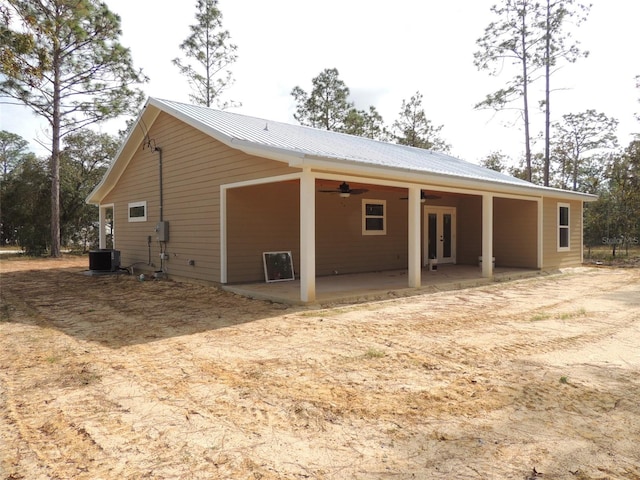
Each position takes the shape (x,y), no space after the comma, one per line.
(362,287)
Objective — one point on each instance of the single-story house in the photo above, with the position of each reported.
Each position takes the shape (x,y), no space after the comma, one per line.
(202,194)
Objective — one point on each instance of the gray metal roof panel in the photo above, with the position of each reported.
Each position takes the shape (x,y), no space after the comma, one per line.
(332,145)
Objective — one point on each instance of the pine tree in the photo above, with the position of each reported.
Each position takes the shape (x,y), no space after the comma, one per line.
(557,47)
(510,40)
(211,53)
(327,106)
(530,36)
(581,142)
(414,129)
(73,72)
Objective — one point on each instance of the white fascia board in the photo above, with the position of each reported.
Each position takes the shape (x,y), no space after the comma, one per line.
(261,181)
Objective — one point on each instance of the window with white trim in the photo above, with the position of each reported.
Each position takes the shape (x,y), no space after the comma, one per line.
(563,226)
(374,220)
(137,211)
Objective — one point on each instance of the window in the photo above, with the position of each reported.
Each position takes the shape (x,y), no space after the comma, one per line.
(138,212)
(563,226)
(373,217)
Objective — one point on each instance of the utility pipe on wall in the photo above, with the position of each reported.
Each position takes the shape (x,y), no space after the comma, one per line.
(159,150)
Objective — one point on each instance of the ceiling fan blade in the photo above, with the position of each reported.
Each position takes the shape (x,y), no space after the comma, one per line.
(344,189)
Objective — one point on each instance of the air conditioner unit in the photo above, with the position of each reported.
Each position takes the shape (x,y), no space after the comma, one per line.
(104,260)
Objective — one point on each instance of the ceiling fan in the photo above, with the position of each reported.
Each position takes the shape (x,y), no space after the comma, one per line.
(344,190)
(423,197)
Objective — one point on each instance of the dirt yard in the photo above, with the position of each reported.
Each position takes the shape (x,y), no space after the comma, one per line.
(113,378)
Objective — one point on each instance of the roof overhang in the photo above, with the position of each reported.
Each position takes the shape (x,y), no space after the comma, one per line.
(434,180)
(347,167)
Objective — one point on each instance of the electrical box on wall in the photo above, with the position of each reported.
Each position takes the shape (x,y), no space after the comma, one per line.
(162,231)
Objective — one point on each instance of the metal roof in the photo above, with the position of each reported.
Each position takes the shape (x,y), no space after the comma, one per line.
(303,141)
(302,146)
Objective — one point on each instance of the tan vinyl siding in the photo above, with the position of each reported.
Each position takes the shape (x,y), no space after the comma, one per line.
(340,245)
(552,258)
(261,218)
(469,226)
(266,218)
(515,233)
(194,167)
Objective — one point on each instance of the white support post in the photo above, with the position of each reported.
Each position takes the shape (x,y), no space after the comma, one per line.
(223,236)
(102,228)
(307,237)
(487,235)
(540,232)
(581,232)
(414,269)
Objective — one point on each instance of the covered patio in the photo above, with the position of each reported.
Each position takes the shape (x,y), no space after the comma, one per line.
(326,233)
(362,287)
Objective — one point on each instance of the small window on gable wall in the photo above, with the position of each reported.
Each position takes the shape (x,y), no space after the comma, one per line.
(138,211)
(563,227)
(374,221)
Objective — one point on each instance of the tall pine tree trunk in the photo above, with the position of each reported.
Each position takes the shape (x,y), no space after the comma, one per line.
(208,65)
(55,157)
(525,96)
(547,108)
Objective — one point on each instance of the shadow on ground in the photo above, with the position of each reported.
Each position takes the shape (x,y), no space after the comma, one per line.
(120,310)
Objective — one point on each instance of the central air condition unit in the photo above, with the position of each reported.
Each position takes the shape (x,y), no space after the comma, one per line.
(104,260)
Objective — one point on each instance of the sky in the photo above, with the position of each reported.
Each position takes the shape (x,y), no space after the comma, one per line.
(385,52)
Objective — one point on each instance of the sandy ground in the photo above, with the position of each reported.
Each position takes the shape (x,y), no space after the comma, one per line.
(113,378)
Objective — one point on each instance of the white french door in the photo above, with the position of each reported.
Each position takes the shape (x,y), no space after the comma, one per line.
(439,234)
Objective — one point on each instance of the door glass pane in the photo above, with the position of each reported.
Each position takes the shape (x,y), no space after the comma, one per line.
(446,233)
(433,235)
